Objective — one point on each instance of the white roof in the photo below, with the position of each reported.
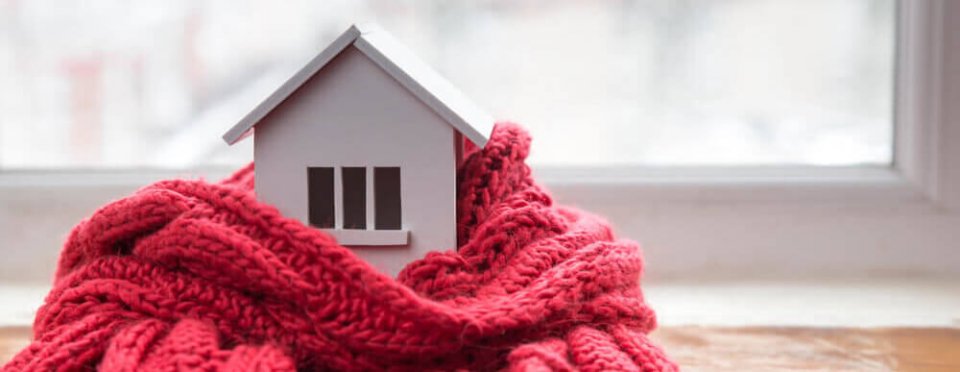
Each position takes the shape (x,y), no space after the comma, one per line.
(422,81)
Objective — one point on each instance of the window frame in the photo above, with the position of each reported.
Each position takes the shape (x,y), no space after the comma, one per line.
(347,198)
(694,222)
(321,199)
(369,235)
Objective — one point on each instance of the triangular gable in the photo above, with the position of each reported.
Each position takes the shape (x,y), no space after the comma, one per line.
(414,75)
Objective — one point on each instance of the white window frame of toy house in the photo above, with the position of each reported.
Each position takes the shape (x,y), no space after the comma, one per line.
(370,235)
(740,222)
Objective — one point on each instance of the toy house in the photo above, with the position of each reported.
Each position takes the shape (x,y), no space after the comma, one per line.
(364,142)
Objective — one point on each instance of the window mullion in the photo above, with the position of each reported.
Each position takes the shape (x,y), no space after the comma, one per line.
(370,200)
(338,197)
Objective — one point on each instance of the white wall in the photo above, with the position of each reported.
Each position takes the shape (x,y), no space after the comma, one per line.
(353,114)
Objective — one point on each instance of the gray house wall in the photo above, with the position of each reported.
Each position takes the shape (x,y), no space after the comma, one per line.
(352,113)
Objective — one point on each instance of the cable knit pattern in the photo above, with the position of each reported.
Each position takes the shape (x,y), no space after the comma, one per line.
(188,275)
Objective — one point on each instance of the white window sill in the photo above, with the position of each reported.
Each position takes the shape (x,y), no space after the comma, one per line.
(878,302)
(370,237)
(866,302)
(19,303)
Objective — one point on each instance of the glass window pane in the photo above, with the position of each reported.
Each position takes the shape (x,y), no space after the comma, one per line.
(354,198)
(386,183)
(321,196)
(645,82)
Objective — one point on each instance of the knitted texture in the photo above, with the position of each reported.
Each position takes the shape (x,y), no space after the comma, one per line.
(188,275)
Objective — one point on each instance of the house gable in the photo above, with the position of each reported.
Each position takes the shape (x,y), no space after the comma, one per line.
(352,114)
(419,80)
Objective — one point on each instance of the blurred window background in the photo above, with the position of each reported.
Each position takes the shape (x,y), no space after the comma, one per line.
(146,84)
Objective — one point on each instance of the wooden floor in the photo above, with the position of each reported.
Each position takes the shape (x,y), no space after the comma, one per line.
(767,348)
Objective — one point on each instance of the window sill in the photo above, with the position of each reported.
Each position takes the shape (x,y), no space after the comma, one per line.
(370,237)
(713,348)
(873,302)
(877,323)
(837,302)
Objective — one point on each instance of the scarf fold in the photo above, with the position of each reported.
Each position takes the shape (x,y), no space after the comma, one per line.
(193,275)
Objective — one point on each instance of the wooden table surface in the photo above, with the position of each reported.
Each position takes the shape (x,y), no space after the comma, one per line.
(812,349)
(767,348)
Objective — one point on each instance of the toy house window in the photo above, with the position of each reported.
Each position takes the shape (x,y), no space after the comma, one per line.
(354,198)
(387,197)
(385,194)
(320,196)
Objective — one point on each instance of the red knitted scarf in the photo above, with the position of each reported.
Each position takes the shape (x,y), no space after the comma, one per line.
(191,275)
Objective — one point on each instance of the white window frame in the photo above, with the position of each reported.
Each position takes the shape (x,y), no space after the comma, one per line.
(369,236)
(694,222)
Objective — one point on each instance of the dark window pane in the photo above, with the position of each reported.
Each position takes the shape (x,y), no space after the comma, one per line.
(320,196)
(386,182)
(354,198)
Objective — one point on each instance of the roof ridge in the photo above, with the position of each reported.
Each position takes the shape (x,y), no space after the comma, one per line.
(397,61)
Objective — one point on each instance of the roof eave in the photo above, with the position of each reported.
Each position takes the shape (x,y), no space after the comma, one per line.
(242,128)
(449,103)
